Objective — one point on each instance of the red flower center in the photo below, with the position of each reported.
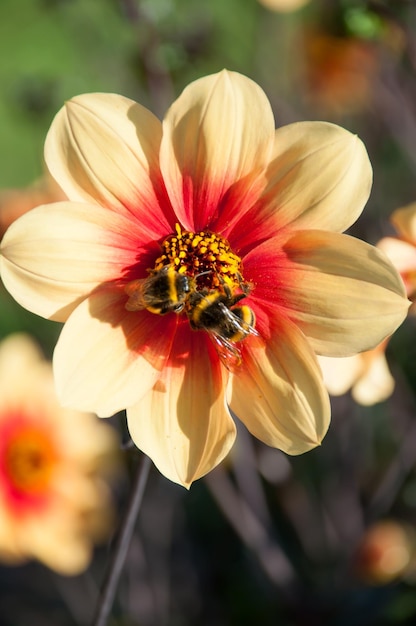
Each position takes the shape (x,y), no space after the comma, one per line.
(28,456)
(198,274)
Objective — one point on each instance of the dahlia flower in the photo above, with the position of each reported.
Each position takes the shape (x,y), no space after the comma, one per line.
(367,374)
(16,202)
(401,250)
(237,208)
(386,553)
(54,497)
(284,6)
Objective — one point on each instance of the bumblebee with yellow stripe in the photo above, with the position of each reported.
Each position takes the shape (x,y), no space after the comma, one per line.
(164,291)
(227,324)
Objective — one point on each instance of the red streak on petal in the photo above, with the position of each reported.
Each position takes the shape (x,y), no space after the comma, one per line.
(156,217)
(194,349)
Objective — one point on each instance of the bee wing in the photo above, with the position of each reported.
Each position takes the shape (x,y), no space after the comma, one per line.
(242,326)
(250,330)
(135,291)
(229,354)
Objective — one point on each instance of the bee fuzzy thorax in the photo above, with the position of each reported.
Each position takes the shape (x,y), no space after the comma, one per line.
(217,312)
(164,291)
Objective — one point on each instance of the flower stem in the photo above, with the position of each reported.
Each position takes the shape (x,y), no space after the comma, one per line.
(108,591)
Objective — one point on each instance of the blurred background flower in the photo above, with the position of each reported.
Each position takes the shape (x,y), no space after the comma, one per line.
(55,464)
(367,375)
(386,552)
(283,5)
(16,202)
(401,249)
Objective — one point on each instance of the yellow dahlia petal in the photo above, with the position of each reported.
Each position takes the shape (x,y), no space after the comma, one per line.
(104,148)
(106,357)
(56,254)
(279,393)
(183,424)
(319,177)
(344,294)
(217,132)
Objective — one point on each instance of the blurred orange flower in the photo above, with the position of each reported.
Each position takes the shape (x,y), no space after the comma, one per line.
(385,553)
(284,6)
(401,250)
(339,71)
(54,499)
(222,208)
(16,202)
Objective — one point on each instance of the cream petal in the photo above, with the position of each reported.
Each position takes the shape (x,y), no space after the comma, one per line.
(104,148)
(319,177)
(107,358)
(343,293)
(183,424)
(279,393)
(219,132)
(53,256)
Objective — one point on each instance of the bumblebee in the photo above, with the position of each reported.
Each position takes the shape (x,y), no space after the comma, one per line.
(226,323)
(164,291)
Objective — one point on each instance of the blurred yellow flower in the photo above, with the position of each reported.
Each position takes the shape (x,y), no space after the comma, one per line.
(284,6)
(367,375)
(386,552)
(54,499)
(222,208)
(401,250)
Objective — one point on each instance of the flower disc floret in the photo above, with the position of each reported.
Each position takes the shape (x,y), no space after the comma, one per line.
(204,256)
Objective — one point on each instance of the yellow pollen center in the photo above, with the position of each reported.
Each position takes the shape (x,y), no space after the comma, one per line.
(204,256)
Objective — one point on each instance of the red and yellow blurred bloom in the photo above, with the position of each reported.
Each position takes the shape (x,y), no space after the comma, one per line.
(216,187)
(386,553)
(54,500)
(401,250)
